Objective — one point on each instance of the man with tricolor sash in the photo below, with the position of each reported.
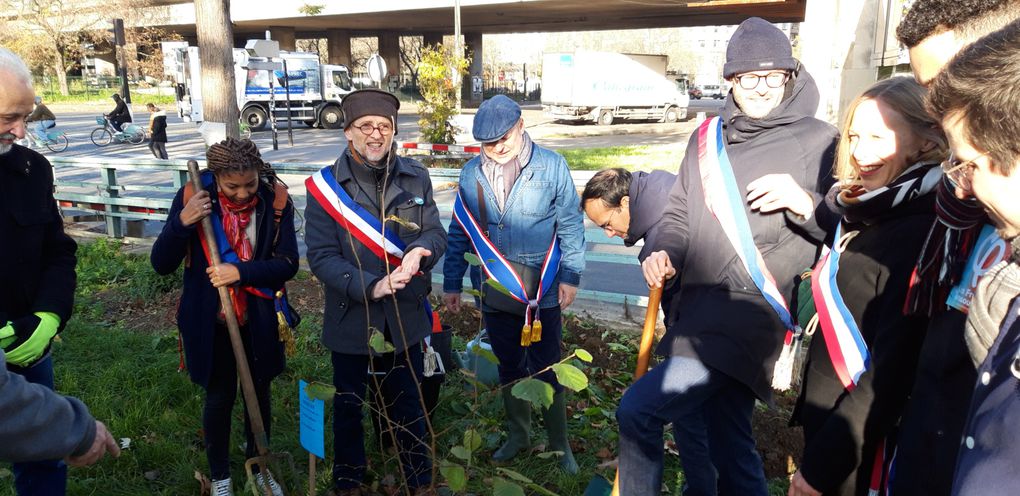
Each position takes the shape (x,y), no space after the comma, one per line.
(732,237)
(373,234)
(516,210)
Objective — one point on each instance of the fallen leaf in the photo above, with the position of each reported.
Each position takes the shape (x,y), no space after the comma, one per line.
(204,484)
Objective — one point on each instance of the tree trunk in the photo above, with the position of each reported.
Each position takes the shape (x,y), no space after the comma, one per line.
(215,48)
(58,67)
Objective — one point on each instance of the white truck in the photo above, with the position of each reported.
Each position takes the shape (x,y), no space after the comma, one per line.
(602,87)
(315,89)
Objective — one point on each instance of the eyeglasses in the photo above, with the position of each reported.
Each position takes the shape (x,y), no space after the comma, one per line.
(959,172)
(384,129)
(609,220)
(772,80)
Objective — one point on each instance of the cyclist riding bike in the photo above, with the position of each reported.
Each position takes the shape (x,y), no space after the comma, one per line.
(43,119)
(120,113)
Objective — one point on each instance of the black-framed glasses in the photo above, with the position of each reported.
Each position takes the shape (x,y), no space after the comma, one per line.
(384,129)
(959,172)
(772,80)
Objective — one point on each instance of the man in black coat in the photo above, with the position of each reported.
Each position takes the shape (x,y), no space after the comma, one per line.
(37,262)
(725,337)
(120,113)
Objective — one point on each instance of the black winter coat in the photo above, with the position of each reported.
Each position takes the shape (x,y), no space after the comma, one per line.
(649,193)
(842,430)
(38,258)
(158,134)
(721,317)
(197,312)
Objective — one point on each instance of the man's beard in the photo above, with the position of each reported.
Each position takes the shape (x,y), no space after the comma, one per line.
(4,147)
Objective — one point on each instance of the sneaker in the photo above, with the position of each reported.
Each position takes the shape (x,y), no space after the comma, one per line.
(273,485)
(222,488)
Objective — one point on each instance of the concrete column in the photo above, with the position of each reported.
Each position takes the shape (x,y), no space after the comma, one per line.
(284,35)
(432,39)
(389,50)
(839,41)
(472,50)
(338,44)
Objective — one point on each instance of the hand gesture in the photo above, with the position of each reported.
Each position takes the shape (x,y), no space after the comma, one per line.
(452,302)
(223,274)
(196,209)
(101,444)
(775,192)
(657,268)
(567,295)
(390,284)
(411,262)
(800,487)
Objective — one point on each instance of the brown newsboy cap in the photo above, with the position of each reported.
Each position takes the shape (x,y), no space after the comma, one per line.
(360,103)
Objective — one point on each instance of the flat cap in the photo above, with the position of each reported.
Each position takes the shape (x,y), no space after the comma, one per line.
(494,118)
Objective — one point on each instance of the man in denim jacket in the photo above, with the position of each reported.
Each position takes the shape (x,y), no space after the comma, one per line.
(529,199)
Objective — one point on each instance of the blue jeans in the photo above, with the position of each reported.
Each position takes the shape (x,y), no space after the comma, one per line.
(702,403)
(403,405)
(43,478)
(41,127)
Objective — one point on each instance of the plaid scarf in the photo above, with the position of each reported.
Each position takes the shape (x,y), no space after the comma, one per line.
(236,218)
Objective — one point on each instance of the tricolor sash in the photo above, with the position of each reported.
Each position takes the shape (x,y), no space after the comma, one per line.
(358,221)
(724,200)
(847,349)
(497,267)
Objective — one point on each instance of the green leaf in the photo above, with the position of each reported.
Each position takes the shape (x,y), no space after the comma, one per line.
(549,454)
(617,347)
(503,487)
(378,342)
(470,378)
(570,376)
(472,440)
(533,390)
(497,286)
(454,475)
(473,292)
(320,391)
(514,475)
(461,452)
(583,355)
(486,354)
(472,259)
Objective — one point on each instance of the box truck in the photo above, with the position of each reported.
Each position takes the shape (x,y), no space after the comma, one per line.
(603,87)
(315,89)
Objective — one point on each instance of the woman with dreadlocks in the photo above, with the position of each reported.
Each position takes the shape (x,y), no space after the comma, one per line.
(253,221)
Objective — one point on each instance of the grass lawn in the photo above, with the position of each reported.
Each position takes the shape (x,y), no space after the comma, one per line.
(119,355)
(637,157)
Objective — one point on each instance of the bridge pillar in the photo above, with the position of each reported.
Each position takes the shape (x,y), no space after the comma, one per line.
(284,35)
(389,50)
(432,39)
(472,50)
(338,44)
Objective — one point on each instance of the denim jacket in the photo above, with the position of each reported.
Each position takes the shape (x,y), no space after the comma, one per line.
(543,202)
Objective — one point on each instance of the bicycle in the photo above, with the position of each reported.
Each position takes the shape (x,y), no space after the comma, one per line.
(56,141)
(104,135)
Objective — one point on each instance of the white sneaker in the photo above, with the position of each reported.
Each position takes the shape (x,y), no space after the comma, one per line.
(222,487)
(273,485)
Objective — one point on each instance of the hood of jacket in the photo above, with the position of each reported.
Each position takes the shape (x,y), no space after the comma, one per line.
(801,101)
(649,193)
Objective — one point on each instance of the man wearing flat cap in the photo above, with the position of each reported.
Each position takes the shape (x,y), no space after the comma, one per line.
(740,225)
(373,234)
(516,210)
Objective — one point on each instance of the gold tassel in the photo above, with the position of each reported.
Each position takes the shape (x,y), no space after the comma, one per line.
(526,336)
(536,331)
(284,331)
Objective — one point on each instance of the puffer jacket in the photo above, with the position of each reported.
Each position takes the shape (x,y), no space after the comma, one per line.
(721,317)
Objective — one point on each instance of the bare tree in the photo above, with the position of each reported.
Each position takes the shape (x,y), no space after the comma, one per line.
(411,54)
(215,48)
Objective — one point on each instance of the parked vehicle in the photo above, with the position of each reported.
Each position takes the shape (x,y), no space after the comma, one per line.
(713,91)
(694,92)
(106,134)
(602,87)
(315,89)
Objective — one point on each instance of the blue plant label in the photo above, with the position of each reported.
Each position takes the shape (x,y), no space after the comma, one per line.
(312,422)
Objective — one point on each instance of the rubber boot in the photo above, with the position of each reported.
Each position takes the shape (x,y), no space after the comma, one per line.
(555,418)
(518,421)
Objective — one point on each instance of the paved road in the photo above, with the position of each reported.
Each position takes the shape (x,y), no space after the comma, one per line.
(612,271)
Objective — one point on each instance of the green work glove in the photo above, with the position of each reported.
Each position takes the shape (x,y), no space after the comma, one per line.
(33,334)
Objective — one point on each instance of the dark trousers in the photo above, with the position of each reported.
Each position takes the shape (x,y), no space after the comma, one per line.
(516,361)
(702,403)
(158,149)
(220,395)
(43,478)
(399,392)
(117,123)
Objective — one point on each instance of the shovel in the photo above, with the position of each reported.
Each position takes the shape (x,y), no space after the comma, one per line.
(599,486)
(264,458)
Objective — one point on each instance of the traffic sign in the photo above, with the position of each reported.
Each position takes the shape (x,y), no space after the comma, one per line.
(376,68)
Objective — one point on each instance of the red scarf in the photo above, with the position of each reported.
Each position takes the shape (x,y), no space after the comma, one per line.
(236,218)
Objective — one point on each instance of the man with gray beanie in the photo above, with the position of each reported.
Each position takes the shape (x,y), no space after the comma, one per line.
(373,234)
(741,224)
(517,210)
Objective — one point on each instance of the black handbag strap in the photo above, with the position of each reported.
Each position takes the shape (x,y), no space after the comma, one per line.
(483,217)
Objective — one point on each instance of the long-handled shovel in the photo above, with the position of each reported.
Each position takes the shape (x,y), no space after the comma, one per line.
(599,486)
(258,429)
